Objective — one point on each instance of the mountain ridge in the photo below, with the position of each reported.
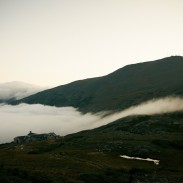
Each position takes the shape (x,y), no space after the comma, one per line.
(127,86)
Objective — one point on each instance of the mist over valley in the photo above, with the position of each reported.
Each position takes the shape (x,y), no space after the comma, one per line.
(134,112)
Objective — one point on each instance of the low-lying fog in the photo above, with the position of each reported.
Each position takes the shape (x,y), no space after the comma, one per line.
(18,90)
(19,120)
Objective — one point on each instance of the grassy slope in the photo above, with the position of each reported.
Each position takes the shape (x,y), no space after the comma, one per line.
(93,156)
(125,87)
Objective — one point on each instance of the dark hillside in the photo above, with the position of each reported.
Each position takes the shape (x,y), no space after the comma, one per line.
(93,156)
(127,86)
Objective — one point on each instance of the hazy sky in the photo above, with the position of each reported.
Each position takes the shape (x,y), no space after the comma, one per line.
(52,42)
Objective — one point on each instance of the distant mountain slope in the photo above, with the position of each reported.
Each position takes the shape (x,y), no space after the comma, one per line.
(125,87)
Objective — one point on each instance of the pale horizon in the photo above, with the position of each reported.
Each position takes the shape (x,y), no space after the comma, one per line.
(51,43)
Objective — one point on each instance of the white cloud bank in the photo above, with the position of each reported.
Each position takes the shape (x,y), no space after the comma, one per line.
(19,120)
(17,90)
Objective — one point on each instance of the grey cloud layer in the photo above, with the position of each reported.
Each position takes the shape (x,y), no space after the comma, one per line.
(17,90)
(20,119)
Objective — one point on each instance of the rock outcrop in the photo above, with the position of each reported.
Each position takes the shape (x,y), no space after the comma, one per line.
(32,137)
